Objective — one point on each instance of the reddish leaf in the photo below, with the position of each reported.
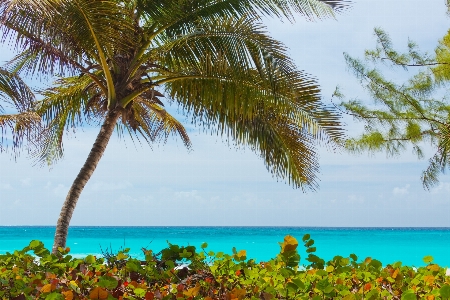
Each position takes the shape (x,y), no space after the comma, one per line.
(290,243)
(68,295)
(98,293)
(395,274)
(192,292)
(48,288)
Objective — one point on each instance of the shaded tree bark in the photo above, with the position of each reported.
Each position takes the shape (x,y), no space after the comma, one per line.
(80,181)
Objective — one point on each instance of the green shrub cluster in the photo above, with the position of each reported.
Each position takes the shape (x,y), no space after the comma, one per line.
(178,273)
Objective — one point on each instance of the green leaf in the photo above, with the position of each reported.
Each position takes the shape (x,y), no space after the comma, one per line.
(90,259)
(323,284)
(372,295)
(292,287)
(132,266)
(299,283)
(35,244)
(353,257)
(185,254)
(328,289)
(376,264)
(444,291)
(311,250)
(293,260)
(204,245)
(108,282)
(121,256)
(409,296)
(428,259)
(306,237)
(329,269)
(169,264)
(344,261)
(140,292)
(309,243)
(286,272)
(54,296)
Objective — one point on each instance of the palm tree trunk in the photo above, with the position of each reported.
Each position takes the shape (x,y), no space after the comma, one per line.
(80,181)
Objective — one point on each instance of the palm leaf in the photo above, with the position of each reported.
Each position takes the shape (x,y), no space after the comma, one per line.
(248,111)
(156,124)
(66,106)
(71,36)
(22,125)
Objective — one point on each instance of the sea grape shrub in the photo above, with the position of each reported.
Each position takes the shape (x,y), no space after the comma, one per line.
(178,273)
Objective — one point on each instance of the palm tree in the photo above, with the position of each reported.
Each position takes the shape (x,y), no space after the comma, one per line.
(116,60)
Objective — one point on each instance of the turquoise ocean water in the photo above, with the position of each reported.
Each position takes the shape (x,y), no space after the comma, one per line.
(388,245)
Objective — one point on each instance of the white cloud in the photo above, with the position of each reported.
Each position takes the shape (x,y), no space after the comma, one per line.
(25,182)
(355,199)
(5,186)
(109,186)
(442,187)
(398,191)
(191,195)
(60,191)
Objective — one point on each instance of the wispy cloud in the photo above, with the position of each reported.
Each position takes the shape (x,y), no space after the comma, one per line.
(442,187)
(26,182)
(400,191)
(60,190)
(188,195)
(110,186)
(355,199)
(5,186)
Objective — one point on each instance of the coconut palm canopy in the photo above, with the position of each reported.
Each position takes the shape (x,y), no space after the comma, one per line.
(119,62)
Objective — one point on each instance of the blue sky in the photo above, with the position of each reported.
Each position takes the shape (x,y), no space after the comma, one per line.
(219,185)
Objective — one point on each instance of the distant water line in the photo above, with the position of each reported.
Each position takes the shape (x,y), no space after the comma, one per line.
(388,245)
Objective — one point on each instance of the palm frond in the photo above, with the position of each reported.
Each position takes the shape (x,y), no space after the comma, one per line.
(63,42)
(21,125)
(14,91)
(16,129)
(286,147)
(173,15)
(71,102)
(156,124)
(215,87)
(281,124)
(243,42)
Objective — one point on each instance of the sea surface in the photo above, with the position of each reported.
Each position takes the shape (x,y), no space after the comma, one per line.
(388,245)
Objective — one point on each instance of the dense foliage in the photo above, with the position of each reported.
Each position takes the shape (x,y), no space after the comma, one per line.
(185,273)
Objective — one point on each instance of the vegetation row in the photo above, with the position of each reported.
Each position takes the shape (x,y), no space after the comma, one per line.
(184,272)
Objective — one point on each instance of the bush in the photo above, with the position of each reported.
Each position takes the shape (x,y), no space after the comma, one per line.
(183,273)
